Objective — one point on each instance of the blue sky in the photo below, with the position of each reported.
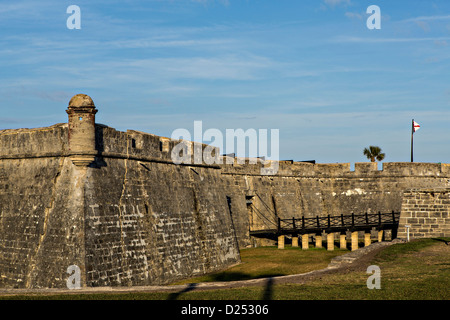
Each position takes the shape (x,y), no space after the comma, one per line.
(311,69)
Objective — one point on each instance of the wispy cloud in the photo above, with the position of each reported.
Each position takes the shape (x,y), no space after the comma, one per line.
(222,2)
(427,18)
(25,9)
(12,7)
(351,39)
(228,67)
(423,25)
(354,15)
(312,73)
(334,3)
(187,43)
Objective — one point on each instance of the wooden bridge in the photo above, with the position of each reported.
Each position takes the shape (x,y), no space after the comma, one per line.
(330,225)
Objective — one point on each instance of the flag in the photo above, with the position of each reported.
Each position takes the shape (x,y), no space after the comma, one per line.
(416,126)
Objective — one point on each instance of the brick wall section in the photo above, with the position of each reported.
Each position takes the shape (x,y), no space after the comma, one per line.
(427,212)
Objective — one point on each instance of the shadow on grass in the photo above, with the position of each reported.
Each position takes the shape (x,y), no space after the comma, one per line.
(240,276)
(232,276)
(175,295)
(445,240)
(268,292)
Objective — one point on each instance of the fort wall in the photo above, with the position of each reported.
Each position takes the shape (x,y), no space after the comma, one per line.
(305,189)
(130,218)
(425,212)
(41,228)
(127,214)
(154,223)
(34,143)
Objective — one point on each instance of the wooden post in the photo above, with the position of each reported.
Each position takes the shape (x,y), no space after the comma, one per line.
(343,241)
(281,242)
(295,241)
(330,241)
(318,240)
(367,240)
(305,241)
(354,240)
(380,235)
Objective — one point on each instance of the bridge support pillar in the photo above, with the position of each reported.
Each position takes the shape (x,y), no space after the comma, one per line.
(330,241)
(280,242)
(367,240)
(380,235)
(342,241)
(295,241)
(354,240)
(305,241)
(318,241)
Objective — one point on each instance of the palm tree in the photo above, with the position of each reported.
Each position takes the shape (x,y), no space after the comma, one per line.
(373,153)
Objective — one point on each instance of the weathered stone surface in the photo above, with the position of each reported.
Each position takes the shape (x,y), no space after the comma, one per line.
(131,216)
(426,212)
(81,100)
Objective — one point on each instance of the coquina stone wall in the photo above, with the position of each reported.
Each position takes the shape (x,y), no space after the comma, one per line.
(132,217)
(126,214)
(305,189)
(153,222)
(41,222)
(426,213)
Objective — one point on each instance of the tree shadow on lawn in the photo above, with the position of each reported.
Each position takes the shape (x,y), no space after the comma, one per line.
(240,276)
(266,295)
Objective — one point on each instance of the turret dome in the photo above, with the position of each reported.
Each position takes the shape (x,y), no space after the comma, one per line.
(81,101)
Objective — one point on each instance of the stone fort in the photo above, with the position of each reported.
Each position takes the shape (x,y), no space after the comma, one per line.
(115,204)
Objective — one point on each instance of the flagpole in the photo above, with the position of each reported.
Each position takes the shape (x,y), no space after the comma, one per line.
(412,142)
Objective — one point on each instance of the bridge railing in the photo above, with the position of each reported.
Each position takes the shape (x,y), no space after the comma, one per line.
(340,222)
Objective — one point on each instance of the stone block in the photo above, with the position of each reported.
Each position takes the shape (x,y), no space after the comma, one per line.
(367,240)
(380,235)
(280,242)
(295,242)
(342,241)
(305,241)
(330,241)
(354,241)
(318,240)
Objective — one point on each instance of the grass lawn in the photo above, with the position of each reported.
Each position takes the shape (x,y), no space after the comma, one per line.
(271,262)
(418,270)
